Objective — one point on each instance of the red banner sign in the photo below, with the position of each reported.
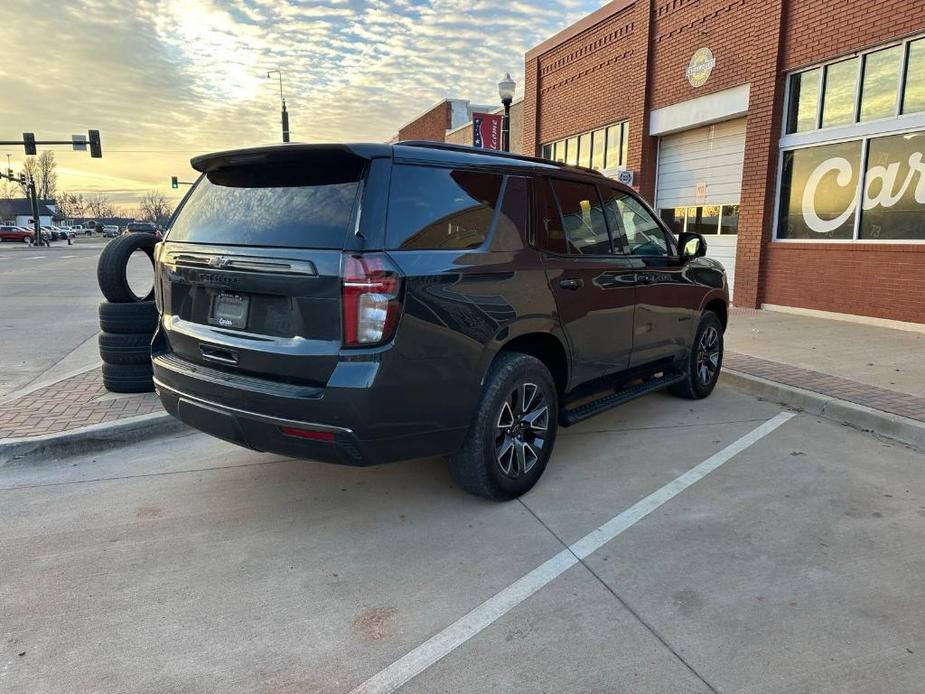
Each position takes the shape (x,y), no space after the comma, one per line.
(486,130)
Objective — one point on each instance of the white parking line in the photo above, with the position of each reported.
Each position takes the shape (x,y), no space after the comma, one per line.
(463,629)
(68,256)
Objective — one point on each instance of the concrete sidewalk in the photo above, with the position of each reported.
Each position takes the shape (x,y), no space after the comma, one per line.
(870,377)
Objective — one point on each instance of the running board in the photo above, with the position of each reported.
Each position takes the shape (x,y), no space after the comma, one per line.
(568,417)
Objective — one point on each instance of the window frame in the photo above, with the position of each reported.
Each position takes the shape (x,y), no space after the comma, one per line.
(861,131)
(864,142)
(857,128)
(622,145)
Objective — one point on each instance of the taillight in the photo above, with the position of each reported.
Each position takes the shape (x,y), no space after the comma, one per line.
(371,286)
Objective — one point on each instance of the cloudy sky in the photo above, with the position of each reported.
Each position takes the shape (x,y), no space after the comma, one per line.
(166,79)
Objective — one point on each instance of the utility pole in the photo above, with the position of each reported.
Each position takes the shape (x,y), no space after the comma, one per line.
(284,114)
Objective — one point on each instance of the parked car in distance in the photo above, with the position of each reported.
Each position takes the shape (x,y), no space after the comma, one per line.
(14,233)
(144,227)
(368,303)
(110,231)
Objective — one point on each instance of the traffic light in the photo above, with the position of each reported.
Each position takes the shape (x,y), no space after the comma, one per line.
(22,180)
(28,139)
(174,183)
(96,150)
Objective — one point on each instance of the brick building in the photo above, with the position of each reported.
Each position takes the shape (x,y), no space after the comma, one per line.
(790,132)
(433,124)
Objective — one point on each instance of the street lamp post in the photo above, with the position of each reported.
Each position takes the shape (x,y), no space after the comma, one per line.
(284,114)
(506,92)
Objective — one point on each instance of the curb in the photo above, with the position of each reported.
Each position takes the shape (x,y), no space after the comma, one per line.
(893,426)
(89,439)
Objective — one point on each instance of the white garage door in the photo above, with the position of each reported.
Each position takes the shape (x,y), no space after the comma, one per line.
(699,184)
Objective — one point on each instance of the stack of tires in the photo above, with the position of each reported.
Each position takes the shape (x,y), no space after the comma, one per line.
(127,320)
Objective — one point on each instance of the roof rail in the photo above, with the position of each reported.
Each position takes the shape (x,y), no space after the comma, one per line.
(468,149)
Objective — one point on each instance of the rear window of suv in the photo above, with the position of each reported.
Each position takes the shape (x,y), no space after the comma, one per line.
(307,203)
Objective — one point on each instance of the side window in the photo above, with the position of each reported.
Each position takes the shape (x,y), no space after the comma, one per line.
(511,227)
(612,212)
(642,233)
(582,218)
(440,209)
(550,236)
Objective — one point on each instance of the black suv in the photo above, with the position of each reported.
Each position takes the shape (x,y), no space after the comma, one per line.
(369,303)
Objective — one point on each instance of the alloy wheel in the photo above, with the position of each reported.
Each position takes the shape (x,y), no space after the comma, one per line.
(708,355)
(521,430)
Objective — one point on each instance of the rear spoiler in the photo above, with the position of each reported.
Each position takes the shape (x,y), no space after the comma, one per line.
(284,152)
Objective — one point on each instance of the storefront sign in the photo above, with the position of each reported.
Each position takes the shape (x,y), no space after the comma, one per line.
(700,67)
(486,130)
(820,186)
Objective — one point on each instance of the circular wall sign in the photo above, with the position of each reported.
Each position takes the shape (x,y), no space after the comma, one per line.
(700,67)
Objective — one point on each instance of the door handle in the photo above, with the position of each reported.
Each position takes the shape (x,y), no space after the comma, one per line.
(222,356)
(571,283)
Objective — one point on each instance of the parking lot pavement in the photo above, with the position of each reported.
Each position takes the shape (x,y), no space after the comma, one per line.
(47,312)
(186,564)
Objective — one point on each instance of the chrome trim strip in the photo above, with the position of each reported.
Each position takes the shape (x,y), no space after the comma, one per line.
(247,414)
(239,263)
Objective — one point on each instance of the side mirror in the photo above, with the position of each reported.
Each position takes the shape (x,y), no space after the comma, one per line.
(692,245)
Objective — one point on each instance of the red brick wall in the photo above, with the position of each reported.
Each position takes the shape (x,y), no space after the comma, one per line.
(819,30)
(593,79)
(735,30)
(430,126)
(863,279)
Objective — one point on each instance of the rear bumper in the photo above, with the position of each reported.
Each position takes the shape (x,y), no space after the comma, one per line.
(254,414)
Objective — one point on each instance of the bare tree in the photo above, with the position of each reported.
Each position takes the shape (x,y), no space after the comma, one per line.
(72,205)
(9,189)
(154,207)
(30,169)
(46,184)
(98,205)
(41,169)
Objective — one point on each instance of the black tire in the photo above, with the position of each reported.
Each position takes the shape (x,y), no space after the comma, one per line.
(128,378)
(138,317)
(125,348)
(704,361)
(479,466)
(110,270)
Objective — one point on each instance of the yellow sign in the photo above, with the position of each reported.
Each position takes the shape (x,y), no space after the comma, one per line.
(700,67)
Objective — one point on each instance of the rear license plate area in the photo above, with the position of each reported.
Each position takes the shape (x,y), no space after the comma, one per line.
(229,311)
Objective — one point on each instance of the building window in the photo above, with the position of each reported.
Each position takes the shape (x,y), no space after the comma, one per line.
(804,96)
(838,94)
(858,90)
(602,149)
(598,148)
(818,192)
(914,94)
(705,219)
(879,86)
(892,200)
(571,151)
(823,195)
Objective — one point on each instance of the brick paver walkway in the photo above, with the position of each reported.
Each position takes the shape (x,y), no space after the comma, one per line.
(831,386)
(70,404)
